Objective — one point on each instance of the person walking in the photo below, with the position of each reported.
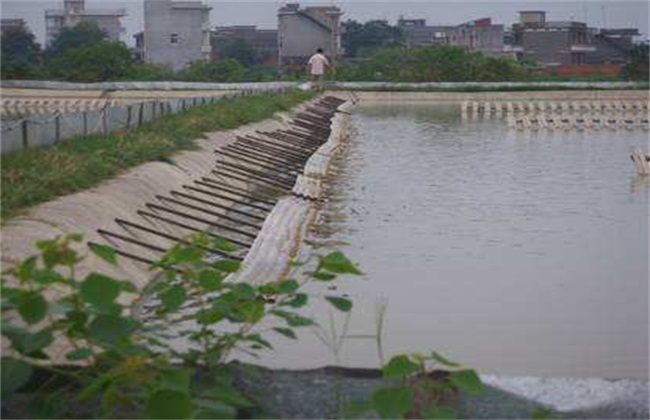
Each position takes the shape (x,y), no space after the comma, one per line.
(316,68)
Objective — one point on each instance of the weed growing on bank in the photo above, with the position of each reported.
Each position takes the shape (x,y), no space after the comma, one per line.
(33,176)
(77,351)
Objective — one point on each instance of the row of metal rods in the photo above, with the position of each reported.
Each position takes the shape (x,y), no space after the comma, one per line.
(233,201)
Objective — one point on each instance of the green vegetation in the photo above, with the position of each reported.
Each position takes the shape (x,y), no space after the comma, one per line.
(425,391)
(20,53)
(433,64)
(82,162)
(120,366)
(365,39)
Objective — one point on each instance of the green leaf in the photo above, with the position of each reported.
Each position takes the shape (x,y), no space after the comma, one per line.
(214,410)
(392,402)
(176,380)
(443,360)
(542,414)
(357,409)
(440,412)
(400,366)
(33,343)
(187,254)
(467,380)
(173,298)
(32,307)
(99,291)
(47,276)
(26,268)
(210,280)
(128,287)
(336,262)
(26,342)
(14,375)
(79,354)
(288,286)
(209,317)
(322,276)
(169,404)
(287,332)
(243,291)
(339,303)
(229,266)
(252,311)
(230,396)
(111,328)
(294,320)
(298,301)
(256,338)
(224,245)
(104,252)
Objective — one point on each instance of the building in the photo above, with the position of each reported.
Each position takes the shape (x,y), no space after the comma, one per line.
(263,41)
(175,32)
(478,35)
(418,34)
(613,46)
(302,31)
(571,45)
(9,24)
(74,12)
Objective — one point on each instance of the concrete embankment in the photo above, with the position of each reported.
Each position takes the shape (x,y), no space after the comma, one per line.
(258,194)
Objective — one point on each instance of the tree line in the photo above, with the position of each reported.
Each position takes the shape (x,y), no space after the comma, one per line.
(374,51)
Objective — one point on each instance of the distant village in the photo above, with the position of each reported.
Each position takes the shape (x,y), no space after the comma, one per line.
(178,32)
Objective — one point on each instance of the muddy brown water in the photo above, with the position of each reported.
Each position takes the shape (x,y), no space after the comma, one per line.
(518,253)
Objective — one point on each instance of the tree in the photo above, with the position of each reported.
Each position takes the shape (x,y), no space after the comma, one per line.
(364,39)
(228,70)
(239,49)
(20,53)
(638,61)
(80,35)
(105,60)
(434,64)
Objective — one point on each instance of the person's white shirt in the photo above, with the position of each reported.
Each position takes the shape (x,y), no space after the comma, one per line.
(317,64)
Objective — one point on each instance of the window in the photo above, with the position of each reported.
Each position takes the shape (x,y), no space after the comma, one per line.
(173,38)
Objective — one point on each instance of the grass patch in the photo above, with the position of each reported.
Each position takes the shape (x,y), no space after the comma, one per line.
(34,176)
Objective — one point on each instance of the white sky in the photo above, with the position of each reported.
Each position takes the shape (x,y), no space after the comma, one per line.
(613,14)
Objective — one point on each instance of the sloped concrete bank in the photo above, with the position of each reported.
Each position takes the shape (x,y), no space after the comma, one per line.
(246,197)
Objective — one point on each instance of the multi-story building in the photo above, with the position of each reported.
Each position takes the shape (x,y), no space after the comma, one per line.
(565,43)
(418,34)
(175,32)
(263,41)
(75,12)
(613,46)
(8,24)
(302,31)
(478,35)
(551,43)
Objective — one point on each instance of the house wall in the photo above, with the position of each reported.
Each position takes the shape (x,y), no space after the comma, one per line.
(166,21)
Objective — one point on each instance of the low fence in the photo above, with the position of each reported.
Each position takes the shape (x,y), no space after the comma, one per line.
(47,130)
(44,84)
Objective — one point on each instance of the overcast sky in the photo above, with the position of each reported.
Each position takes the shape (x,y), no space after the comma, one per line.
(613,14)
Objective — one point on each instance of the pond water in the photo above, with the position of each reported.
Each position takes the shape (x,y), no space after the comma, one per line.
(521,253)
